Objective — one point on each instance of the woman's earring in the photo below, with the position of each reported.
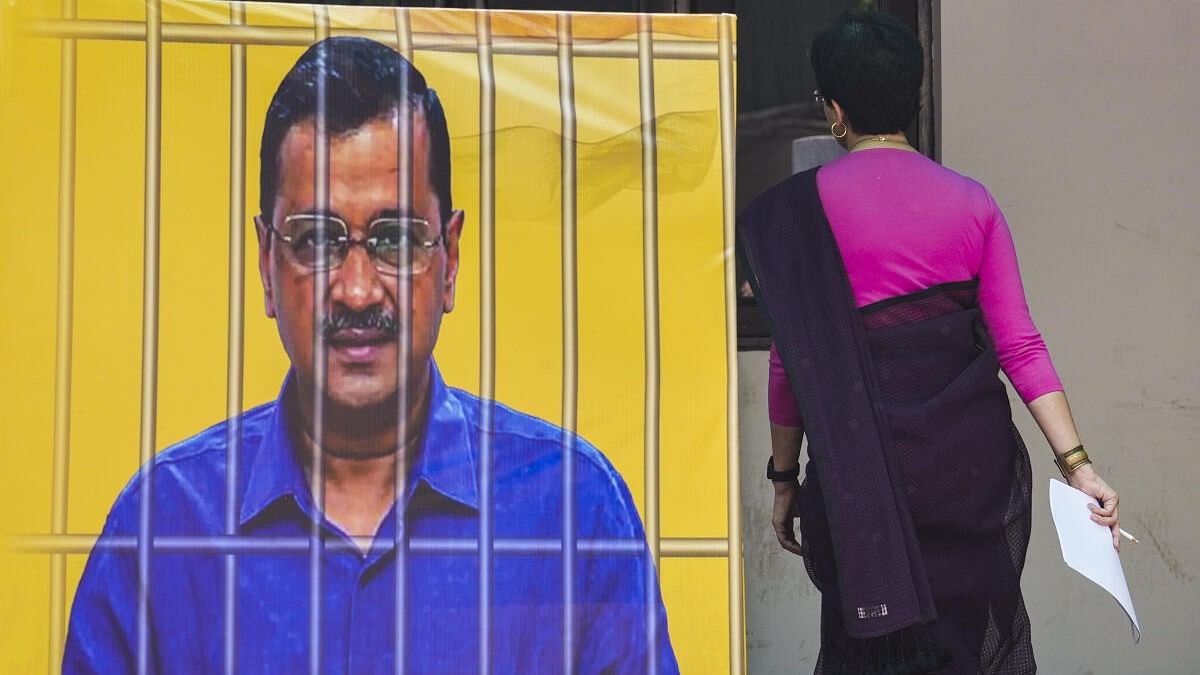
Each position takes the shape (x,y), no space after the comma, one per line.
(833,129)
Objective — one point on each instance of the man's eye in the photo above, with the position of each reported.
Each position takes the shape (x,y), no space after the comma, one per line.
(317,237)
(393,238)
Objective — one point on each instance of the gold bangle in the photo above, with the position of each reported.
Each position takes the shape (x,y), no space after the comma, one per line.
(1071,460)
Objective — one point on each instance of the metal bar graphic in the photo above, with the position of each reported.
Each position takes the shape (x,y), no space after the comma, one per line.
(570,328)
(737,662)
(650,281)
(404,34)
(697,547)
(652,336)
(150,255)
(64,333)
(77,544)
(487,323)
(94,29)
(320,356)
(404,299)
(236,331)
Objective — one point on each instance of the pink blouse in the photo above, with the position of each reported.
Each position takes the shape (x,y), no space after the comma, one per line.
(905,223)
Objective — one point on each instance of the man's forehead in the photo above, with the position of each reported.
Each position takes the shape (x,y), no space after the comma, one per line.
(363,166)
(302,134)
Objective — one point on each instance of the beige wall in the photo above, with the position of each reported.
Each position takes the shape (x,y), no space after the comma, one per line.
(1083,119)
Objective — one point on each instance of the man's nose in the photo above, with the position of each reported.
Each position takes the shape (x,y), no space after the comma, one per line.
(356,283)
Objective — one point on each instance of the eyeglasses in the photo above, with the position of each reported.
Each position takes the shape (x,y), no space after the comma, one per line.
(818,97)
(398,246)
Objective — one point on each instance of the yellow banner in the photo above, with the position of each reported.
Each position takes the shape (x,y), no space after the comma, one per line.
(592,161)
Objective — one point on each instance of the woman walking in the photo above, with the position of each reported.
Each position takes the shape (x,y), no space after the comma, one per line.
(895,300)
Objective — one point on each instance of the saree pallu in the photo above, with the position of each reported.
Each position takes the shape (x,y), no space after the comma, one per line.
(910,440)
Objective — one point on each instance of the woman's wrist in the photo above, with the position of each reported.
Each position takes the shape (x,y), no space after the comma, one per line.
(1071,461)
(1085,471)
(782,487)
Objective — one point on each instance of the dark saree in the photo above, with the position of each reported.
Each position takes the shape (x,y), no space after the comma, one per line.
(915,506)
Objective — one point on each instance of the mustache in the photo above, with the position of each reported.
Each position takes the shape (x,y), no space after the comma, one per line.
(370,319)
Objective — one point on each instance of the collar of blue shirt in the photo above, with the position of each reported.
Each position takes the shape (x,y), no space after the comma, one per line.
(446,461)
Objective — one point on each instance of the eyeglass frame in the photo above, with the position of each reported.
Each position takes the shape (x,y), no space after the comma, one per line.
(350,242)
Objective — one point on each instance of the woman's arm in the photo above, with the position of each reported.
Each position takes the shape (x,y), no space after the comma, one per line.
(787,433)
(781,401)
(1026,361)
(1053,416)
(785,446)
(785,454)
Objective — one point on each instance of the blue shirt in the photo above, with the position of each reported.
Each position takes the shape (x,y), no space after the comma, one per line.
(619,624)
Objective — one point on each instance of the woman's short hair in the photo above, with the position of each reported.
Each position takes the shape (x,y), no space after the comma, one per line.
(871,64)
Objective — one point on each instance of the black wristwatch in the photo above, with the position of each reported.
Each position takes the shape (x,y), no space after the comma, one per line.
(781,476)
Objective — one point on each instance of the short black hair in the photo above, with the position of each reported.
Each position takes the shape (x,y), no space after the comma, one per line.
(871,64)
(364,80)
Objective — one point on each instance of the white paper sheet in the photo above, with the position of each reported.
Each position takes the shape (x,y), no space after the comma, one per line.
(1087,546)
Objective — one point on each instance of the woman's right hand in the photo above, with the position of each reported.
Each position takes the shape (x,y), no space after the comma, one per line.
(1086,480)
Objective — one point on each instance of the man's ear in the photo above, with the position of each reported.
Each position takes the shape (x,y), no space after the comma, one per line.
(264,264)
(453,232)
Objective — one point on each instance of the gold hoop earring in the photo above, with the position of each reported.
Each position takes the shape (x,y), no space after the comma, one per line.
(833,129)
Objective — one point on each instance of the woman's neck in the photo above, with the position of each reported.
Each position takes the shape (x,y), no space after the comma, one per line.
(897,140)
